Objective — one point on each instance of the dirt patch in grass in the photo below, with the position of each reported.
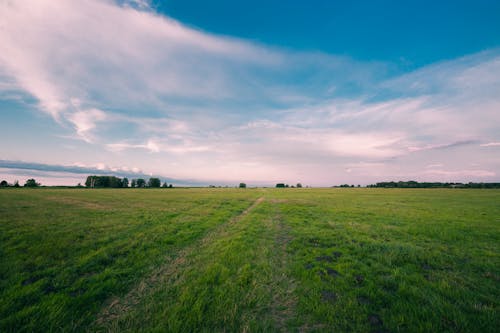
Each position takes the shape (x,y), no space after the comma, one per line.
(336,254)
(328,272)
(359,279)
(363,300)
(374,320)
(29,281)
(325,258)
(328,296)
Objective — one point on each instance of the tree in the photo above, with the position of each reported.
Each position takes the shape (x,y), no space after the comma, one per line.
(299,185)
(280,185)
(103,181)
(115,182)
(243,185)
(140,182)
(16,183)
(165,185)
(125,182)
(154,182)
(4,183)
(90,181)
(133,183)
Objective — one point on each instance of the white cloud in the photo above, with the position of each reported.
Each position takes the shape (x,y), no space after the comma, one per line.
(461,174)
(85,121)
(490,144)
(436,165)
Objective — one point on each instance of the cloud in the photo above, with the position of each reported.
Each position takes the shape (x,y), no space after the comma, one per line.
(86,120)
(461,174)
(436,165)
(76,168)
(490,144)
(442,145)
(102,54)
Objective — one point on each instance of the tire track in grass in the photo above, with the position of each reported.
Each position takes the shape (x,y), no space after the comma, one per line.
(118,307)
(284,300)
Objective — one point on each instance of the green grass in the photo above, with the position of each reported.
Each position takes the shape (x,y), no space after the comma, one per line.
(327,260)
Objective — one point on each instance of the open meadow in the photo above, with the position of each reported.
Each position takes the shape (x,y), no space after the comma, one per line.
(254,260)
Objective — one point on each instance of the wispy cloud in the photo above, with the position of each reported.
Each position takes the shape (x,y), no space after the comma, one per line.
(461,174)
(442,145)
(490,144)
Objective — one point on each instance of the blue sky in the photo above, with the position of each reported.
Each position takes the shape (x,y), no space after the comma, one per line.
(318,92)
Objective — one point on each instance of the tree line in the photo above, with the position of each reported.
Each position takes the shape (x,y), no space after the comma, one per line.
(29,183)
(115,182)
(415,184)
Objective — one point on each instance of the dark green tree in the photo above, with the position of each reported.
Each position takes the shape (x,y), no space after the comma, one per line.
(243,185)
(4,183)
(133,183)
(140,182)
(103,181)
(154,182)
(299,185)
(125,182)
(31,183)
(16,183)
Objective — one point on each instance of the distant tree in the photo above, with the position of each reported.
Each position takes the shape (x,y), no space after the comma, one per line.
(170,185)
(4,183)
(79,185)
(16,183)
(115,182)
(103,181)
(133,183)
(154,182)
(243,185)
(140,182)
(164,185)
(125,182)
(299,185)
(90,181)
(280,185)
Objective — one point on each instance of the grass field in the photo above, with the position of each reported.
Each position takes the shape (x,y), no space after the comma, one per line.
(205,260)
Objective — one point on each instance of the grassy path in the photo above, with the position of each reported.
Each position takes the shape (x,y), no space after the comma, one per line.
(118,307)
(234,279)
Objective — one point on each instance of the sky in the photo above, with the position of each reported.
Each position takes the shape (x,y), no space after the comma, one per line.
(262,92)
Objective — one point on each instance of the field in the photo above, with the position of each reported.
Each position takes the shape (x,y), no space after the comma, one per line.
(212,260)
